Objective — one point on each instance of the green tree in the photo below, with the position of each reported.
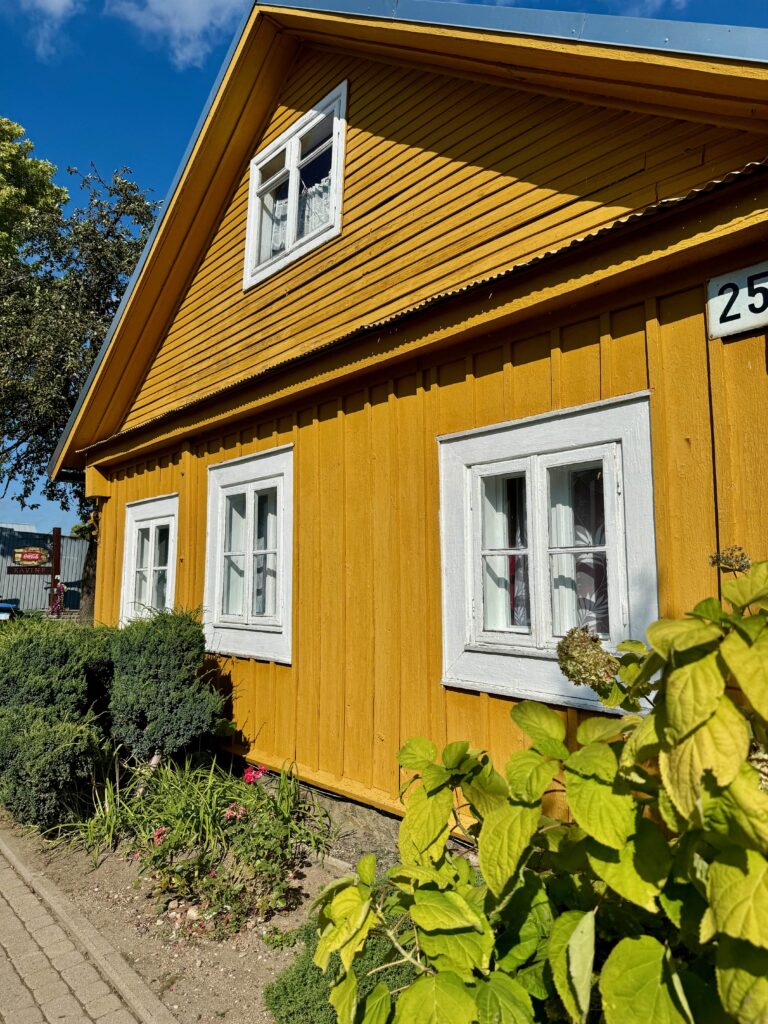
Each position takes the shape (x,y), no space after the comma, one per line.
(62,275)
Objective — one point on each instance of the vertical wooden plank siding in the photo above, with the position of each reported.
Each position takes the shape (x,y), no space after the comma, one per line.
(445,181)
(367,644)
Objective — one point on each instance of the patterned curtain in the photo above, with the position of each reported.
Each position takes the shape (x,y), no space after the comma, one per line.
(314,206)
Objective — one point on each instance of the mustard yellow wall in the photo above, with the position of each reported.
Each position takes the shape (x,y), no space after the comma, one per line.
(446,180)
(367,644)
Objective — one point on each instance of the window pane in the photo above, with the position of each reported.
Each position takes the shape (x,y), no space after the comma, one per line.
(577,509)
(159,584)
(504,522)
(162,536)
(316,136)
(264,584)
(140,590)
(273,166)
(142,548)
(506,603)
(266,520)
(274,219)
(315,194)
(234,585)
(579,593)
(234,534)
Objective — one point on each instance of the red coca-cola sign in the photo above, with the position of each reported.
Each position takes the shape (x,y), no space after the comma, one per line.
(31,556)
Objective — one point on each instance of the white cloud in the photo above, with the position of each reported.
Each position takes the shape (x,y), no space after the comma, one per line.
(189,27)
(651,8)
(47,18)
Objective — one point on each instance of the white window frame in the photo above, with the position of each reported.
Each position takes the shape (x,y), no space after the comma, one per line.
(266,637)
(523,665)
(334,103)
(152,512)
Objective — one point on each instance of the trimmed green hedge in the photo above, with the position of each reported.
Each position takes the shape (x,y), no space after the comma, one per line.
(54,664)
(47,764)
(160,697)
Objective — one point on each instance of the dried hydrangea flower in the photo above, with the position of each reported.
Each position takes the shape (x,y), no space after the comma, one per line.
(732,559)
(584,661)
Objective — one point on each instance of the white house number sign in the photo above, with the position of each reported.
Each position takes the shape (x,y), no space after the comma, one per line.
(738,302)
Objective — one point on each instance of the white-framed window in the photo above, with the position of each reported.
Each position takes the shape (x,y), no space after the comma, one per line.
(249,558)
(545,524)
(295,192)
(149,559)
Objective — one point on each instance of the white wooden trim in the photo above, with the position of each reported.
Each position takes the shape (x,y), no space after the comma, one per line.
(156,512)
(617,426)
(253,272)
(268,639)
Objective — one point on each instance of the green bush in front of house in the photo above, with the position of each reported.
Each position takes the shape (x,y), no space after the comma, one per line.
(650,905)
(48,764)
(49,663)
(161,699)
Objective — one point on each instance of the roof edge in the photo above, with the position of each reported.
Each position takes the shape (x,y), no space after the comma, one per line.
(729,42)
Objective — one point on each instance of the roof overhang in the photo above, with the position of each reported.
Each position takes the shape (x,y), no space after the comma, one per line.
(627,61)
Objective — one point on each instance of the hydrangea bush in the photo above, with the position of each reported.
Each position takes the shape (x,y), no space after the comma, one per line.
(650,905)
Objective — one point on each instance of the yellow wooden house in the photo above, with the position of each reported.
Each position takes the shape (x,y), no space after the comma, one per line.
(451,336)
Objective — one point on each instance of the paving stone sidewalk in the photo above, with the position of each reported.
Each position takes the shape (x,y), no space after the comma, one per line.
(44,976)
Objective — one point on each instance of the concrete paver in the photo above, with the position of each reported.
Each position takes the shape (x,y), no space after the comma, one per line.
(44,977)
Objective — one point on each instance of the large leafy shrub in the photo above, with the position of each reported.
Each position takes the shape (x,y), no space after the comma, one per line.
(223,843)
(49,663)
(161,700)
(299,994)
(47,764)
(650,906)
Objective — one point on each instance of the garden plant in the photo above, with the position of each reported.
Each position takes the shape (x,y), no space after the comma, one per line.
(650,905)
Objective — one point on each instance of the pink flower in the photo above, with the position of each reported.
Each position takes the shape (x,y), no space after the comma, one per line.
(230,812)
(252,774)
(159,835)
(212,873)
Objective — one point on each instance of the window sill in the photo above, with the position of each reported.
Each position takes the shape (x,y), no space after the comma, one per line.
(265,270)
(264,643)
(529,675)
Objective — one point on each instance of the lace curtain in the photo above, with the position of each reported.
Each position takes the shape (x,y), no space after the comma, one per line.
(505,585)
(314,207)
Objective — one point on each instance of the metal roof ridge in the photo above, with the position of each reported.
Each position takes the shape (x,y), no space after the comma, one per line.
(730,42)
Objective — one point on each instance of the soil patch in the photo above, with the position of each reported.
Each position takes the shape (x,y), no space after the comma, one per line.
(201,980)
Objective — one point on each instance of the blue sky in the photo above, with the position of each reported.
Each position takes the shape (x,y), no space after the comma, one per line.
(122,82)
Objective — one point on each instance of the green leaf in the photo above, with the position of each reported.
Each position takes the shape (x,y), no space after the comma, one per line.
(535,979)
(528,920)
(719,746)
(343,998)
(596,730)
(671,817)
(505,835)
(749,666)
(749,589)
(635,986)
(552,748)
(570,990)
(742,980)
(740,813)
(692,695)
(737,887)
(709,609)
(639,869)
(443,911)
(702,998)
(366,869)
(642,744)
(485,791)
(529,774)
(424,828)
(436,999)
(581,958)
(501,1000)
(350,919)
(417,753)
(633,647)
(454,754)
(378,1006)
(434,777)
(595,797)
(462,952)
(668,635)
(538,721)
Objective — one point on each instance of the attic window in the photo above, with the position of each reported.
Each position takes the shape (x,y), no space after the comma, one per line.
(294,202)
